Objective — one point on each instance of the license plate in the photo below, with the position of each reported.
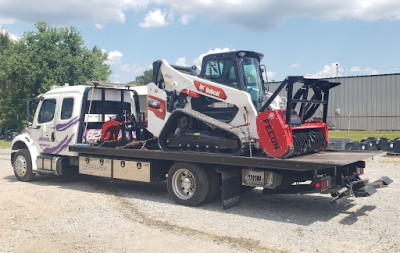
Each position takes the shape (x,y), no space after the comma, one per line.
(253,177)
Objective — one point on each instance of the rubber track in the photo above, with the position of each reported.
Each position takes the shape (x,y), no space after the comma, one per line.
(244,143)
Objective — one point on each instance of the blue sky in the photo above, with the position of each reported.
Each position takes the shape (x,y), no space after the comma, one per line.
(297,37)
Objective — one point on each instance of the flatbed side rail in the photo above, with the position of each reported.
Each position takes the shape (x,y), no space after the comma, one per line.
(309,162)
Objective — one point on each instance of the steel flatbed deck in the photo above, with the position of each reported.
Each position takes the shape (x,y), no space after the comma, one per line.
(316,161)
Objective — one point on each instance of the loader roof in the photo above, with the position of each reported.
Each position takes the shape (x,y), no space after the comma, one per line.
(238,54)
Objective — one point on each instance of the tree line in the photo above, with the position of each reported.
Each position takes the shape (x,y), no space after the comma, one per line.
(40,59)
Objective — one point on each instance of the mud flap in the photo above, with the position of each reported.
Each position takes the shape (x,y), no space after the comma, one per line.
(231,183)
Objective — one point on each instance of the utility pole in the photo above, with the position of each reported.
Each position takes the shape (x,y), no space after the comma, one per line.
(337,70)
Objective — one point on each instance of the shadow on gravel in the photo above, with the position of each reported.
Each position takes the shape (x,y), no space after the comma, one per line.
(10,178)
(115,187)
(294,208)
(353,216)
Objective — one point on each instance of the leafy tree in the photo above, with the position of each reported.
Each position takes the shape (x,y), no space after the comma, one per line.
(39,60)
(145,78)
(5,44)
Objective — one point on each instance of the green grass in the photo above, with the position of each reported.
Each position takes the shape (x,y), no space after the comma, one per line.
(5,144)
(359,135)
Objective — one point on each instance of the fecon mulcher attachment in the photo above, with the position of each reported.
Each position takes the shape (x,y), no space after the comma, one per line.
(285,133)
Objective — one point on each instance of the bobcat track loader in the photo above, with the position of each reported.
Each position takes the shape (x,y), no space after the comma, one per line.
(227,109)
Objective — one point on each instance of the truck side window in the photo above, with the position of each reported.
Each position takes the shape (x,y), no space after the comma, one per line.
(67,108)
(46,113)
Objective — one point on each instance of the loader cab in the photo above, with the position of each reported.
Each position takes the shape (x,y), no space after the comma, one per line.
(240,70)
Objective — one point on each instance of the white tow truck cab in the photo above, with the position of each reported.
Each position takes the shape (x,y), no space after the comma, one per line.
(65,116)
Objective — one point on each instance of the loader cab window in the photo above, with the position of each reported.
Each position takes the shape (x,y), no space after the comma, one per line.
(46,113)
(252,72)
(67,108)
(222,71)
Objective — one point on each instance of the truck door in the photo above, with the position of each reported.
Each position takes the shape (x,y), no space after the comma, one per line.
(56,124)
(43,127)
(66,124)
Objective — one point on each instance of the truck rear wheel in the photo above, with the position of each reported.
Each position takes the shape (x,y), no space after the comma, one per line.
(188,184)
(22,166)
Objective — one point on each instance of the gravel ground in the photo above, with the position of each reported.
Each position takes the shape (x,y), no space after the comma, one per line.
(87,214)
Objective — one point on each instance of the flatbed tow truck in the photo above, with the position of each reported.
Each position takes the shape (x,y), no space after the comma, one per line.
(47,148)
(103,131)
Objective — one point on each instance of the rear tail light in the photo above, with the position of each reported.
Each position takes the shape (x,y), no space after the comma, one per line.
(322,184)
(360,171)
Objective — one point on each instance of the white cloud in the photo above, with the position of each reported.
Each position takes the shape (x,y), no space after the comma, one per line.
(65,12)
(366,71)
(181,61)
(154,18)
(6,21)
(270,75)
(355,69)
(258,15)
(12,36)
(114,57)
(331,70)
(185,19)
(263,15)
(132,68)
(126,68)
(295,65)
(198,61)
(99,26)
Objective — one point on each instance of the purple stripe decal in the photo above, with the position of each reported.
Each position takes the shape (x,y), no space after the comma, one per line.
(65,126)
(66,144)
(53,149)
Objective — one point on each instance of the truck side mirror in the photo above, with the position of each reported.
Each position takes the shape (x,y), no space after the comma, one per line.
(29,111)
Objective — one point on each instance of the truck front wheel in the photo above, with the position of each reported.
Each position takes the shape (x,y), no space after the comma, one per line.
(22,166)
(188,184)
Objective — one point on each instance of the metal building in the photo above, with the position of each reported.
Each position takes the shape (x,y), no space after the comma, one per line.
(364,103)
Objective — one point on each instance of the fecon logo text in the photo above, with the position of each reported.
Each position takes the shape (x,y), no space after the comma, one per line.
(271,134)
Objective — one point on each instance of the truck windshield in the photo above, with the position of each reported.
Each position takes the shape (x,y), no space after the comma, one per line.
(252,71)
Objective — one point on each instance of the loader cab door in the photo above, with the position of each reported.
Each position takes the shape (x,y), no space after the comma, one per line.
(254,81)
